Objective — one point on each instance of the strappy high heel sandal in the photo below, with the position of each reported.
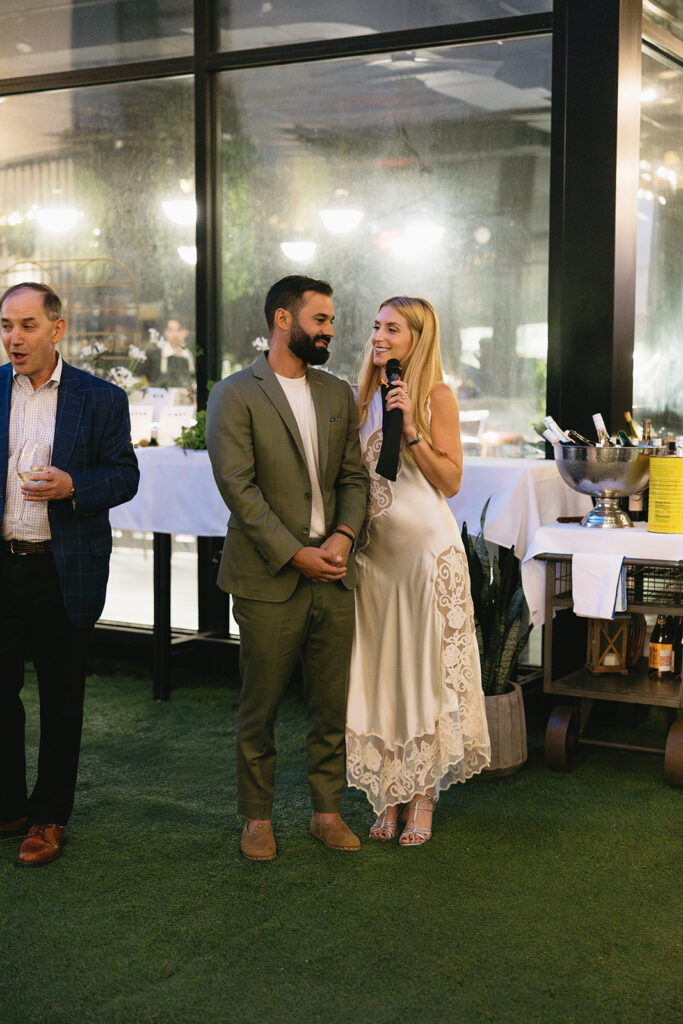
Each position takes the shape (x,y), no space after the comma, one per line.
(411,829)
(389,828)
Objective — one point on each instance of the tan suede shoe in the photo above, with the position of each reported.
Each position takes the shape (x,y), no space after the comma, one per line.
(337,835)
(259,843)
(42,844)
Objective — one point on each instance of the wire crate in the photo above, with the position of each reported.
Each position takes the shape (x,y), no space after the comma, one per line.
(646,584)
(655,584)
(563,578)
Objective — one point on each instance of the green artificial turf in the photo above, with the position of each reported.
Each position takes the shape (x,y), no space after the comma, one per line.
(543,897)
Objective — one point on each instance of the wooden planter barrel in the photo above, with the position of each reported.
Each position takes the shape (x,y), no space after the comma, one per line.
(507,730)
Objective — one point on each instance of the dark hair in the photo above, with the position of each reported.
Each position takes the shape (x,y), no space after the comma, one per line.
(52,304)
(288,294)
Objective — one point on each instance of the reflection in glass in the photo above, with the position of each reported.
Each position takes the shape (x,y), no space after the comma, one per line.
(97,198)
(130,590)
(36,37)
(245,25)
(437,171)
(668,14)
(658,370)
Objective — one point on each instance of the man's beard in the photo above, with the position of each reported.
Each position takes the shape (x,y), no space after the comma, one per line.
(304,348)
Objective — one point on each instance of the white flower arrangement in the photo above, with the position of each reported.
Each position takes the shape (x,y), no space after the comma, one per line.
(124,378)
(261,344)
(94,351)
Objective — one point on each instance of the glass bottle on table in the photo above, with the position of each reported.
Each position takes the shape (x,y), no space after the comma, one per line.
(636,507)
(661,653)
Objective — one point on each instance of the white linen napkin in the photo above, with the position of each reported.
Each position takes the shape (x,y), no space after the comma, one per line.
(598,585)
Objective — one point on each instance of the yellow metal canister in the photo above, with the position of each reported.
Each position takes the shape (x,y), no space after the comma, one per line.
(666,495)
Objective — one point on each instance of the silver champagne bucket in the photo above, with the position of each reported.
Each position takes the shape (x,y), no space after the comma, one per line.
(607,474)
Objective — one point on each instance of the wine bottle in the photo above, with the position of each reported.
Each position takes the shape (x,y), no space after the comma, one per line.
(661,652)
(624,440)
(647,431)
(601,430)
(579,439)
(636,507)
(555,429)
(631,428)
(552,438)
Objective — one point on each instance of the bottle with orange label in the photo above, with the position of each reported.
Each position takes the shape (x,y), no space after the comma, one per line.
(661,660)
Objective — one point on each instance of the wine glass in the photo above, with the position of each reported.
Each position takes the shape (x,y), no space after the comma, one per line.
(33,456)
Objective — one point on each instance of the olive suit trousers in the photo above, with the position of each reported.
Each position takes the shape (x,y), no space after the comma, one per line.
(316,625)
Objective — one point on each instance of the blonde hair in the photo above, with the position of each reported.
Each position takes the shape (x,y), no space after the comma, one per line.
(421,369)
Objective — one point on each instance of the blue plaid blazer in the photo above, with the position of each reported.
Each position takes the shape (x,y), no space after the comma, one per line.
(92,443)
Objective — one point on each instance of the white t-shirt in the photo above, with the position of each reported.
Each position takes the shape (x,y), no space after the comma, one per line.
(298,393)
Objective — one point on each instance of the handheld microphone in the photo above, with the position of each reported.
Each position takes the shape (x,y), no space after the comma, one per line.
(392,428)
(393,370)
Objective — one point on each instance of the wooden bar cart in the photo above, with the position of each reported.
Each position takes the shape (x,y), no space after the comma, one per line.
(652,587)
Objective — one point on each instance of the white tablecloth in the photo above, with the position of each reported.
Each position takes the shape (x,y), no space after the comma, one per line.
(178,495)
(524,494)
(570,539)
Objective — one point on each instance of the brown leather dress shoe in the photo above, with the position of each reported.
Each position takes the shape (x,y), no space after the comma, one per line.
(42,844)
(8,829)
(337,835)
(258,843)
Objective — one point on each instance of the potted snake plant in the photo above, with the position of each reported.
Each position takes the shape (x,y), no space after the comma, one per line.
(499,607)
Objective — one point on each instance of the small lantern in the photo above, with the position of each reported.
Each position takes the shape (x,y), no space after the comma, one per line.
(608,645)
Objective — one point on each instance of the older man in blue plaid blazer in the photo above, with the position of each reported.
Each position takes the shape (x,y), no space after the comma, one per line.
(55,545)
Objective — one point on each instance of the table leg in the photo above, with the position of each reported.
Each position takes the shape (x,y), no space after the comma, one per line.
(161,657)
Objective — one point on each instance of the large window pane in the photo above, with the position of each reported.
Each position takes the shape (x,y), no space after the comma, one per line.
(245,24)
(84,176)
(424,173)
(98,199)
(130,593)
(658,369)
(36,37)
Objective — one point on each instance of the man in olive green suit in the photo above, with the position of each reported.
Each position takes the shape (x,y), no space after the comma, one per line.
(283,443)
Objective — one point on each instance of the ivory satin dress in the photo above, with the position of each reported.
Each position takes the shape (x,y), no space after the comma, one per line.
(416,718)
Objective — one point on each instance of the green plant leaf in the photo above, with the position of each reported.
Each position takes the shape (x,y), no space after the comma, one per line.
(194,437)
(498,603)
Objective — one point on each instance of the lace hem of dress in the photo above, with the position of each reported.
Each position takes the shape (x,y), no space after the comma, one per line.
(391,776)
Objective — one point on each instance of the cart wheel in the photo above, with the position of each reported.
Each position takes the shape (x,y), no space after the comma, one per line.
(562,738)
(673,755)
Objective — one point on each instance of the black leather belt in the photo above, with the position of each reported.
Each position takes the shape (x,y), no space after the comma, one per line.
(26,547)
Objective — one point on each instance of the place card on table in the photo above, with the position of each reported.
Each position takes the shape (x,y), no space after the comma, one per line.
(141,417)
(172,419)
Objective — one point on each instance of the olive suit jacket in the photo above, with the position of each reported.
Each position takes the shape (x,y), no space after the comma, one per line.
(259,465)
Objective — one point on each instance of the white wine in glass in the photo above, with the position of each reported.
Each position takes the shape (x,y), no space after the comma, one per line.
(33,457)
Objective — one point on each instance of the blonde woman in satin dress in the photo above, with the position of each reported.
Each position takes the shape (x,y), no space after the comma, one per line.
(416,720)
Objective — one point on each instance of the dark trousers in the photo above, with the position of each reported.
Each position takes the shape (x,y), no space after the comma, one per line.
(33,622)
(316,624)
